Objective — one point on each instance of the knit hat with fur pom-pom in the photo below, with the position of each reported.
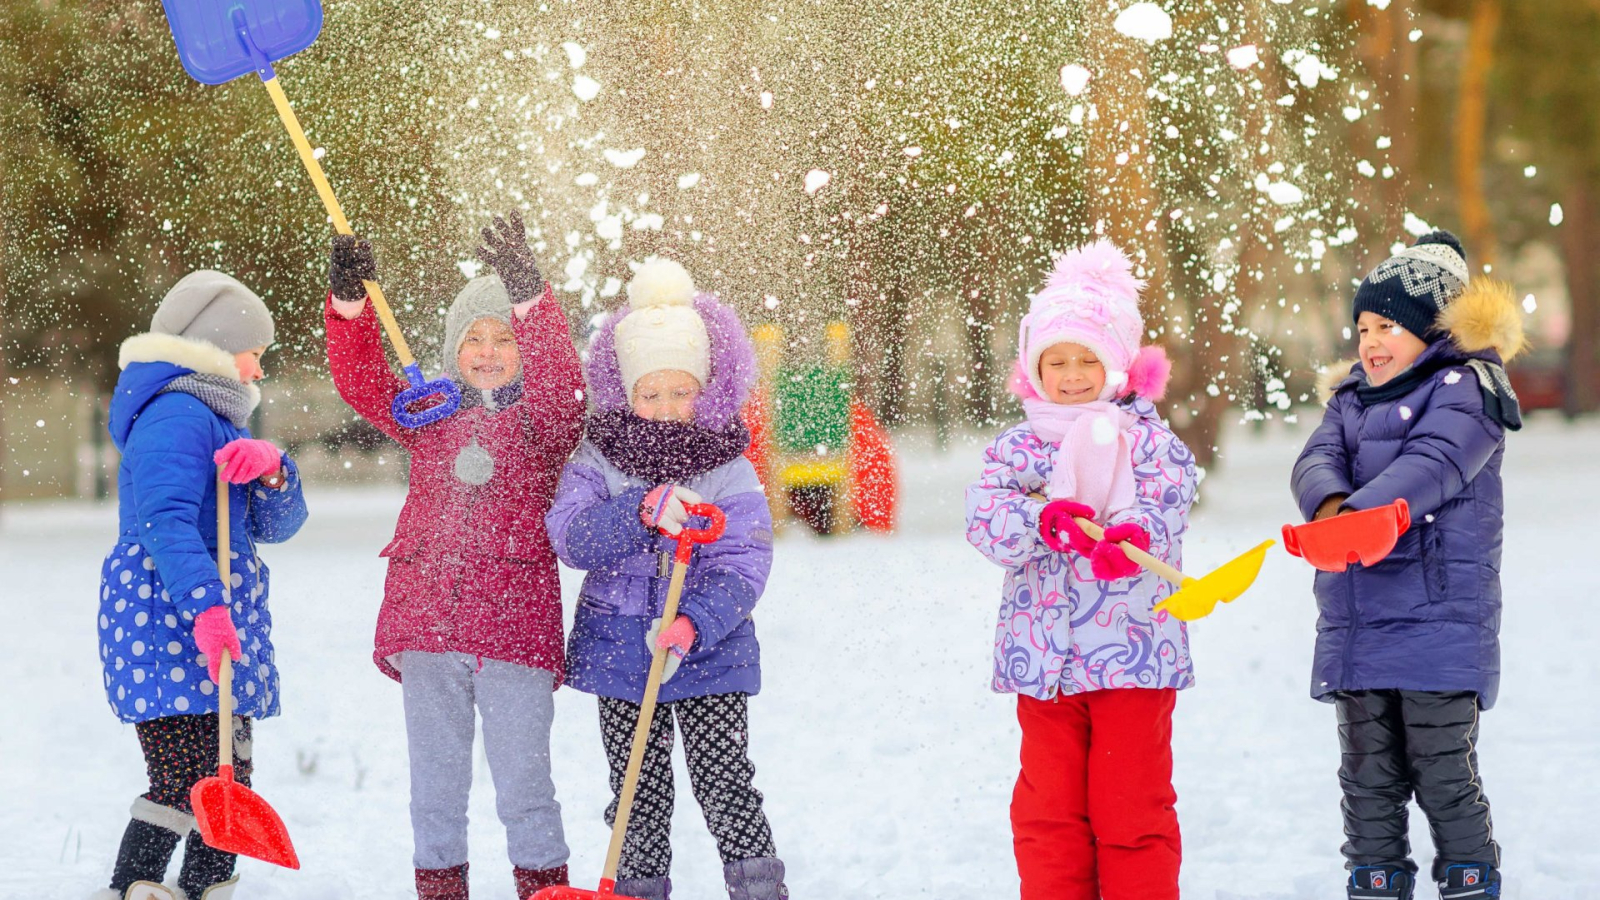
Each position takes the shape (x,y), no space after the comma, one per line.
(663,330)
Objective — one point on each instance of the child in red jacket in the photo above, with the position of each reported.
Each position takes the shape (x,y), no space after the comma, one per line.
(471,615)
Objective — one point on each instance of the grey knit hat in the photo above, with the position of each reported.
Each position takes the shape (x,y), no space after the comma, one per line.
(484,297)
(209,306)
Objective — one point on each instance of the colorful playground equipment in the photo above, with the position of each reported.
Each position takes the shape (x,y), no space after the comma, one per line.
(818,449)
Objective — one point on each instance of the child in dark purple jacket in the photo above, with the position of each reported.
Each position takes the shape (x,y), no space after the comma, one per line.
(1408,649)
(667,376)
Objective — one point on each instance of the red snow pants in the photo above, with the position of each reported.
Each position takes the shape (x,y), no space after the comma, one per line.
(1092,816)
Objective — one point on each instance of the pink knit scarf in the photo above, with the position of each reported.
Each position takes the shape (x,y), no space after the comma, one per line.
(1093,461)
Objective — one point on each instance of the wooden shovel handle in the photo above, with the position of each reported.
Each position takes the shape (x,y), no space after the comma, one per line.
(325,191)
(641,730)
(225,671)
(1142,557)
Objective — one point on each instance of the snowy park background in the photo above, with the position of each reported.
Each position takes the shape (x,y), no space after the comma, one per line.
(910,175)
(886,762)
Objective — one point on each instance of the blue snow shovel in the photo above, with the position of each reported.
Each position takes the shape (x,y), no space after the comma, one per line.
(220,40)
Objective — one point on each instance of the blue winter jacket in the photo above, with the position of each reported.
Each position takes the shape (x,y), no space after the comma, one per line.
(163,570)
(594,525)
(1427,617)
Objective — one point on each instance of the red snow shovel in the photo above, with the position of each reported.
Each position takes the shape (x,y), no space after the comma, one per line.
(230,816)
(1366,536)
(687,538)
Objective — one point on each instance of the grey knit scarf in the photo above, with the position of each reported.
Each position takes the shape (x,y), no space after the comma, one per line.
(229,398)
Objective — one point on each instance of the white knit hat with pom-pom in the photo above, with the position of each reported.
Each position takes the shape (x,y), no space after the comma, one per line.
(662,331)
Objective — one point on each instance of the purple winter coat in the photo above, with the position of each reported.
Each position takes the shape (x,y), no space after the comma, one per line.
(594,525)
(1427,617)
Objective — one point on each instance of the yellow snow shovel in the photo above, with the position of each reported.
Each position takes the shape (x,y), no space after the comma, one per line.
(1195,598)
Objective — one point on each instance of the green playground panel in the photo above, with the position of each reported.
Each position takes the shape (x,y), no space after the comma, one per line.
(813,407)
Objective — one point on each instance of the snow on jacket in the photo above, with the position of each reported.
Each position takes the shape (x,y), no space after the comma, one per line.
(595,526)
(163,570)
(470,567)
(1061,630)
(1427,617)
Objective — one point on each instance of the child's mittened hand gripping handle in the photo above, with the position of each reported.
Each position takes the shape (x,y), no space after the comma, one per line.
(246,459)
(666,508)
(1057,519)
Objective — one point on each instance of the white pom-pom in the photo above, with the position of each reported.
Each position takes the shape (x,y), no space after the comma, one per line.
(660,282)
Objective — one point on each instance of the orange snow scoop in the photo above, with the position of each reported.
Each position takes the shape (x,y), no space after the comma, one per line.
(1365,536)
(1195,598)
(230,816)
(687,538)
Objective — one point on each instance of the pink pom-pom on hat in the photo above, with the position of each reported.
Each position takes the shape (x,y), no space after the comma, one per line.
(1092,298)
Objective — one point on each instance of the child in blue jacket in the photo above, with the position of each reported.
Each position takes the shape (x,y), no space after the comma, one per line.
(1408,648)
(186,391)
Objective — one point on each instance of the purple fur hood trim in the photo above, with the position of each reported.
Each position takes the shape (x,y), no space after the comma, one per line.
(733,365)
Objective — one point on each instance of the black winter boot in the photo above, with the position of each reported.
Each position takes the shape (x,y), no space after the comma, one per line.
(1470,881)
(148,844)
(1380,883)
(203,866)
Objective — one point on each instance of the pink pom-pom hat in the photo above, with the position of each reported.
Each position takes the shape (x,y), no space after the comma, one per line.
(1092,298)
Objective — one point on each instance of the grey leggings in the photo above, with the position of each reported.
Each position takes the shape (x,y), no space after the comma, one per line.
(517,705)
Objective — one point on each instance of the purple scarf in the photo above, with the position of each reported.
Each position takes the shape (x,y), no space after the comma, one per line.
(664,452)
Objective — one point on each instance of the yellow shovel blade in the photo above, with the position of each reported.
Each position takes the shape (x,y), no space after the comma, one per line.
(1197,597)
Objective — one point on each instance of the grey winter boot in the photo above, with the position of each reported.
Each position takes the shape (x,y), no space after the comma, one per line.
(645,888)
(755,879)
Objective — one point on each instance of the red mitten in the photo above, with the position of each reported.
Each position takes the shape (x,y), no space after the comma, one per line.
(214,633)
(1055,521)
(1108,562)
(246,459)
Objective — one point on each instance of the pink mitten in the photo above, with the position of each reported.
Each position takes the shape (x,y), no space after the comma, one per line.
(246,459)
(1108,562)
(1055,520)
(676,638)
(663,508)
(213,633)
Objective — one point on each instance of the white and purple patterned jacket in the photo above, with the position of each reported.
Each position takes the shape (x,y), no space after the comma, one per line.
(1060,630)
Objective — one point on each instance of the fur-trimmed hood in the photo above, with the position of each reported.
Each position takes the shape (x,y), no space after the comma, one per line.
(1483,323)
(150,362)
(733,364)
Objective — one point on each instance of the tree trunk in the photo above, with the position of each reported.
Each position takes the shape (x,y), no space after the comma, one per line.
(1578,234)
(1472,114)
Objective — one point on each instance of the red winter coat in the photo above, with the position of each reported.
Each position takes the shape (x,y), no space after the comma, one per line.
(471,568)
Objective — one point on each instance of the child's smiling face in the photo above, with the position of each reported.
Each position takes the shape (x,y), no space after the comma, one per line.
(1386,348)
(488,356)
(666,395)
(249,364)
(1071,374)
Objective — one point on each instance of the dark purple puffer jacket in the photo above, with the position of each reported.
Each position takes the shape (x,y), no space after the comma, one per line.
(1428,616)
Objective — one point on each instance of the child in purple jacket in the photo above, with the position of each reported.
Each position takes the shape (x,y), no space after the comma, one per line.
(1408,648)
(1095,668)
(667,377)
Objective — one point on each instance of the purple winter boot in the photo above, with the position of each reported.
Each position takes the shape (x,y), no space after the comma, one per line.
(755,879)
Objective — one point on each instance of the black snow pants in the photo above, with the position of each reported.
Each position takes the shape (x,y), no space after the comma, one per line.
(1396,745)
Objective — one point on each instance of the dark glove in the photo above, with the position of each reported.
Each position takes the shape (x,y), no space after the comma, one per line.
(506,251)
(350,263)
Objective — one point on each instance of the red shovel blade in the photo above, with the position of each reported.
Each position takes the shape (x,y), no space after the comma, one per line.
(1334,543)
(608,888)
(235,819)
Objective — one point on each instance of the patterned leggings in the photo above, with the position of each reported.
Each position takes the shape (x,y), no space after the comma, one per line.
(721,775)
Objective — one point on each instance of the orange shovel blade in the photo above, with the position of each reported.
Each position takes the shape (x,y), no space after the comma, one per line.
(608,888)
(235,819)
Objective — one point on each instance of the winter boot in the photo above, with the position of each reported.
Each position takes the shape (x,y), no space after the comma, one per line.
(139,890)
(1470,881)
(442,884)
(204,869)
(147,845)
(755,879)
(645,888)
(529,881)
(1380,883)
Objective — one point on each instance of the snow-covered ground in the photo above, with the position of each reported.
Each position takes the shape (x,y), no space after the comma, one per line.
(886,763)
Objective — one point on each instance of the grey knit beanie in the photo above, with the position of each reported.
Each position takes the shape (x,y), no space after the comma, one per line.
(209,306)
(484,297)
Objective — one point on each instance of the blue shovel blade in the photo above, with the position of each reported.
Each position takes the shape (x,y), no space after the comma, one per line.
(213,51)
